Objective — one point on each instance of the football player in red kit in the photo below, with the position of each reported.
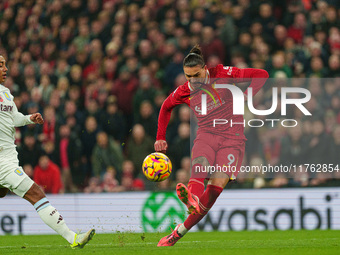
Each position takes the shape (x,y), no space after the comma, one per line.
(220,145)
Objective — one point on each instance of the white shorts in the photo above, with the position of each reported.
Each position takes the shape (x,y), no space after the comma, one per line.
(12,176)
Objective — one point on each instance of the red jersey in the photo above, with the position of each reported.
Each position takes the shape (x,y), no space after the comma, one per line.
(219,104)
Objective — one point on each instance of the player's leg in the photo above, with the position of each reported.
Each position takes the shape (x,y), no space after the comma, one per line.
(208,198)
(196,182)
(230,154)
(203,155)
(53,218)
(48,213)
(16,180)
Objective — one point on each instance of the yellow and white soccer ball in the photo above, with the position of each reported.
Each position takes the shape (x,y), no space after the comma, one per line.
(157,167)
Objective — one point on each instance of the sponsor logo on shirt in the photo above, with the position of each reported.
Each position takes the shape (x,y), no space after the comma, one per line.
(7,96)
(210,106)
(1,100)
(6,108)
(229,69)
(18,171)
(198,109)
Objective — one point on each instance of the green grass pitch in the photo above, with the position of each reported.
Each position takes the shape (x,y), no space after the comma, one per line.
(316,242)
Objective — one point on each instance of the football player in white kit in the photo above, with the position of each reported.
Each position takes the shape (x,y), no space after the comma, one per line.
(12,176)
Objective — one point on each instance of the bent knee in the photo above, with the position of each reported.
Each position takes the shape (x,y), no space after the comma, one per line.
(201,160)
(219,179)
(34,194)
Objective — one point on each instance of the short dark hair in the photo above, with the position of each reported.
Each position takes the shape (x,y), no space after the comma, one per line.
(194,58)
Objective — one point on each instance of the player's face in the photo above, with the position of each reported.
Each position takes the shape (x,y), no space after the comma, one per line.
(3,70)
(195,75)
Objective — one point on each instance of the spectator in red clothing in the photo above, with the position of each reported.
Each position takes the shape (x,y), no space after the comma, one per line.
(48,133)
(69,157)
(124,88)
(334,40)
(297,30)
(211,45)
(47,176)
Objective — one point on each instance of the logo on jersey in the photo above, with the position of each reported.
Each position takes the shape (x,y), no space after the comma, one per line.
(1,100)
(229,69)
(18,171)
(7,96)
(6,108)
(198,109)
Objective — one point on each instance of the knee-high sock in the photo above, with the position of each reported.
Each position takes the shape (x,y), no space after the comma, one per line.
(196,182)
(207,200)
(53,219)
(196,186)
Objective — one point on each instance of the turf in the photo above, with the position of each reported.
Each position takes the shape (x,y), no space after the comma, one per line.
(316,242)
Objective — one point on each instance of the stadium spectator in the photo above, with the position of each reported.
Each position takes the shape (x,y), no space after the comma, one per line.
(294,147)
(181,145)
(30,151)
(124,88)
(318,146)
(112,120)
(211,45)
(110,182)
(145,91)
(47,176)
(106,152)
(138,146)
(94,186)
(69,151)
(147,118)
(48,132)
(335,145)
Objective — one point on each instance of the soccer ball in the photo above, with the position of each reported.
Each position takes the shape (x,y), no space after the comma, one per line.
(157,167)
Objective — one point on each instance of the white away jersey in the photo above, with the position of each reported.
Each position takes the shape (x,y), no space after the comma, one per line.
(9,118)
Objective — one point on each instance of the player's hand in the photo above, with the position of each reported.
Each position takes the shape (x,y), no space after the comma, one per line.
(161,146)
(37,118)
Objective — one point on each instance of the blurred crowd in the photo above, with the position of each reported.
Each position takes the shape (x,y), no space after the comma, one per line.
(99,70)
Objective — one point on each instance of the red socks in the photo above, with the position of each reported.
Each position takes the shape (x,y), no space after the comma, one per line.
(196,186)
(206,202)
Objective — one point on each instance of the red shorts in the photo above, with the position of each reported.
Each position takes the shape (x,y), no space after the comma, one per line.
(223,154)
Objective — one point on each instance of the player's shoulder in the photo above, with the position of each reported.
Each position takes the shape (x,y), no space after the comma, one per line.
(224,71)
(3,88)
(6,91)
(181,90)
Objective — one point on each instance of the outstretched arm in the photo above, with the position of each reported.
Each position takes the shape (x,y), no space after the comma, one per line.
(258,78)
(22,120)
(163,121)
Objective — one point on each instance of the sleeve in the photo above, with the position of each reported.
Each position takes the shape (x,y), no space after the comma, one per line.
(257,77)
(20,119)
(165,113)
